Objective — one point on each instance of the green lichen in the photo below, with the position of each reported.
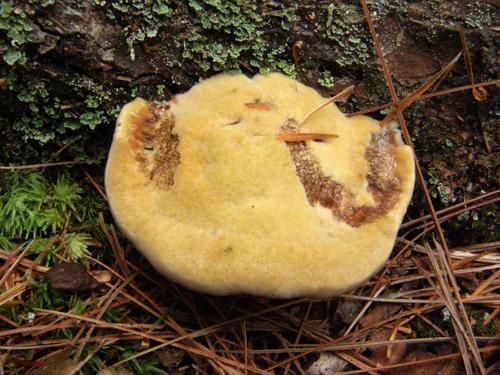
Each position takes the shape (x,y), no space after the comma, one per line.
(16,29)
(479,224)
(15,32)
(144,18)
(229,35)
(326,79)
(345,26)
(42,116)
(441,14)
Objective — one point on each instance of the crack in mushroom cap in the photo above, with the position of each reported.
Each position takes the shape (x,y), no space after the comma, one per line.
(216,202)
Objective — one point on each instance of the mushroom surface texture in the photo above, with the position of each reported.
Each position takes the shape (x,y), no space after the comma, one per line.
(214,191)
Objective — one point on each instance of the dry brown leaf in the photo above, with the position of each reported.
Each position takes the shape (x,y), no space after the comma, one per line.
(377,314)
(102,276)
(348,310)
(384,355)
(58,363)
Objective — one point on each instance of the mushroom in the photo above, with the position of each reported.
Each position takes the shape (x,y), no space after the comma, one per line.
(216,194)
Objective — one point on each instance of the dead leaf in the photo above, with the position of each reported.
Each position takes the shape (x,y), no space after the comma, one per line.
(58,363)
(326,364)
(377,314)
(71,277)
(348,310)
(382,354)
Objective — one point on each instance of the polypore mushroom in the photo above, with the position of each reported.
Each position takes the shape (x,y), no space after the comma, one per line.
(218,195)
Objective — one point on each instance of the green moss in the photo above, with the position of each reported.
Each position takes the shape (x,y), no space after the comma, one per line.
(33,206)
(477,317)
(30,206)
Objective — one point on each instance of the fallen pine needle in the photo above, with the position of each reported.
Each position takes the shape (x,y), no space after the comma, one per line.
(42,165)
(258,105)
(340,97)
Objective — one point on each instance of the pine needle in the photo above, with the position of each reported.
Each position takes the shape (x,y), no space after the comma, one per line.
(340,97)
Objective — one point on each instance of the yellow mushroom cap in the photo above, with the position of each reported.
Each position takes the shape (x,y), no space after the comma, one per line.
(213,194)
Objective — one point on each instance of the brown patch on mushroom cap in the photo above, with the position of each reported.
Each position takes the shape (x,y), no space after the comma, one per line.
(154,144)
(383,181)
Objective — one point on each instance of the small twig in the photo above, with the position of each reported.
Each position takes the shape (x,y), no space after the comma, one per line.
(296,46)
(299,334)
(63,147)
(91,354)
(42,165)
(451,208)
(479,93)
(95,185)
(18,259)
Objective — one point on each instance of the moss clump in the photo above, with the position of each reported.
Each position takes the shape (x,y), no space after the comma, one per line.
(477,317)
(37,208)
